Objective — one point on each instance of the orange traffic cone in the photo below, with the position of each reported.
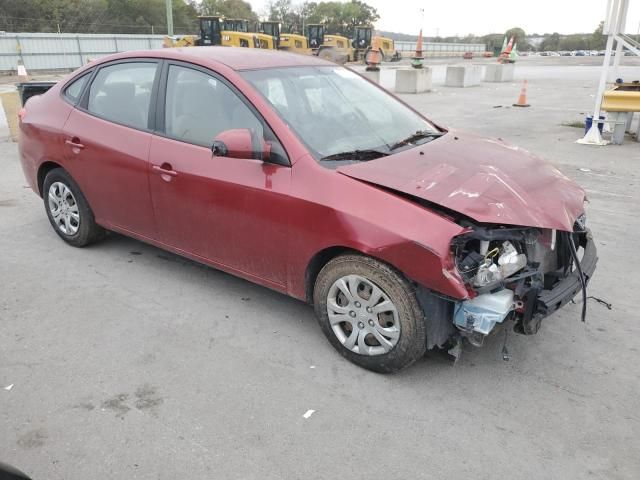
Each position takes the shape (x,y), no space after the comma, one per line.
(418,57)
(373,58)
(522,99)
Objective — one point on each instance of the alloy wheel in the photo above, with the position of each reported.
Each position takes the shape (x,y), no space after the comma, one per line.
(362,316)
(63,208)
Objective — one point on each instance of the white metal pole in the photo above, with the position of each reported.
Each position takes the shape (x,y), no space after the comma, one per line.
(622,22)
(612,22)
(607,18)
(169,17)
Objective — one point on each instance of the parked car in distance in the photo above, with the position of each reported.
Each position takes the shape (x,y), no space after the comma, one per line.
(467,55)
(302,176)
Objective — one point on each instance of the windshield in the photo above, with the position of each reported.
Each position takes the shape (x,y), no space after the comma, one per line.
(333,110)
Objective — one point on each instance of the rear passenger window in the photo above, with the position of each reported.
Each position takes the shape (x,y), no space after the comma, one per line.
(122,93)
(72,92)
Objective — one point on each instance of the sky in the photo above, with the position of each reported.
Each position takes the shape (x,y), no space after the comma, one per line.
(461,17)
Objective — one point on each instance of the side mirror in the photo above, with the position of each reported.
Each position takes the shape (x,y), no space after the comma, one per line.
(240,143)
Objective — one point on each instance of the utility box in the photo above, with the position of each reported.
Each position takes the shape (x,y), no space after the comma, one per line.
(463,75)
(413,80)
(499,72)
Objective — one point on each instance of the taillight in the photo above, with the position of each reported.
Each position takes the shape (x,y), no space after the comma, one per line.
(22,113)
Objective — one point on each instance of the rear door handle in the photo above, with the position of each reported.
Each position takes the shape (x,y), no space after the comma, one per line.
(75,143)
(164,169)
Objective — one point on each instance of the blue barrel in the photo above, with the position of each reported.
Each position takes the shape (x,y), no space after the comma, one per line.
(589,121)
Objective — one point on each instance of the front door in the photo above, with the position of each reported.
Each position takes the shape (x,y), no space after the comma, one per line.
(232,211)
(107,143)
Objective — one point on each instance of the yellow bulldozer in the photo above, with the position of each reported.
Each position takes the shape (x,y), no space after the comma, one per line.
(292,42)
(364,39)
(341,49)
(331,47)
(217,30)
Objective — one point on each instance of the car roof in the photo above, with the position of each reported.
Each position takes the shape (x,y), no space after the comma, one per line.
(236,58)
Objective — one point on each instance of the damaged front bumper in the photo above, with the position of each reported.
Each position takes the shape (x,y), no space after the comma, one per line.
(548,301)
(482,313)
(550,280)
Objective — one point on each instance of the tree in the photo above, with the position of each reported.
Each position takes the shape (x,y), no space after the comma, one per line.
(280,10)
(574,42)
(518,35)
(598,40)
(229,8)
(95,16)
(551,43)
(491,41)
(341,18)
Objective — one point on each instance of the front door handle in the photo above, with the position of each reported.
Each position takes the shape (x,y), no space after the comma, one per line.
(74,143)
(164,169)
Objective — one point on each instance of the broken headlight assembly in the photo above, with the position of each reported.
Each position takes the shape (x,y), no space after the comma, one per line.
(503,268)
(487,268)
(486,258)
(519,273)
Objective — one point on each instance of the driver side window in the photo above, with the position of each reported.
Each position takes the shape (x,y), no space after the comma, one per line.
(199,107)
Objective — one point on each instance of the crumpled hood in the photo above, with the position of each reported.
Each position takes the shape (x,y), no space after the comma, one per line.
(485,179)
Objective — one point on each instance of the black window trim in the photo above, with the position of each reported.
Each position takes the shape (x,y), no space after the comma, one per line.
(83,104)
(71,81)
(160,104)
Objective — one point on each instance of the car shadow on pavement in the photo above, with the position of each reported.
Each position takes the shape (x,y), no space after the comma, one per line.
(280,311)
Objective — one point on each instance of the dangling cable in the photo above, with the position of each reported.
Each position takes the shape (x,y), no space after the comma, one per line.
(574,254)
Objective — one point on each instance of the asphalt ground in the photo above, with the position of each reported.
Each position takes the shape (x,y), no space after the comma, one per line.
(125,361)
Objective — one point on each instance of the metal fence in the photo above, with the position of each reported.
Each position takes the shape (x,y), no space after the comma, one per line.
(51,51)
(433,49)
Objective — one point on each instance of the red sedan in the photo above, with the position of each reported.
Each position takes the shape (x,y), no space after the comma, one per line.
(302,176)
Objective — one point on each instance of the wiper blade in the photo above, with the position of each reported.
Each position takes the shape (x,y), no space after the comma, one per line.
(356,155)
(420,134)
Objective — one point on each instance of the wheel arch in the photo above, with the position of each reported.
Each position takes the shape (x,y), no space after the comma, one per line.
(43,170)
(318,261)
(324,256)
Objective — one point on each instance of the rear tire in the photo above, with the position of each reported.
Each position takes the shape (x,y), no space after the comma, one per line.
(378,324)
(68,210)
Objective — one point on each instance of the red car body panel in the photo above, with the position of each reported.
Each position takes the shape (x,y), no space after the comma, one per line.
(268,222)
(229,210)
(112,170)
(481,178)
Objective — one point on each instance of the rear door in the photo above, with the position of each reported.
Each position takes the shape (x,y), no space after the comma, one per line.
(107,141)
(232,211)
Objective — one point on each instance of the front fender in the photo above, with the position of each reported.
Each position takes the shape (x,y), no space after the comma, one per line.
(331,210)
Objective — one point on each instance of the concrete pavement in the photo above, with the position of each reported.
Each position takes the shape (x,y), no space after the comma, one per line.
(130,362)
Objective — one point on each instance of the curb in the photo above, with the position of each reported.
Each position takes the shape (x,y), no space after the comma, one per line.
(5,133)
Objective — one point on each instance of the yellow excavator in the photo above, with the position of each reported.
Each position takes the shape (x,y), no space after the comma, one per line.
(217,30)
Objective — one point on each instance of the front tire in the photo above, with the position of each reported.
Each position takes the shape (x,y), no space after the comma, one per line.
(369,313)
(68,210)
